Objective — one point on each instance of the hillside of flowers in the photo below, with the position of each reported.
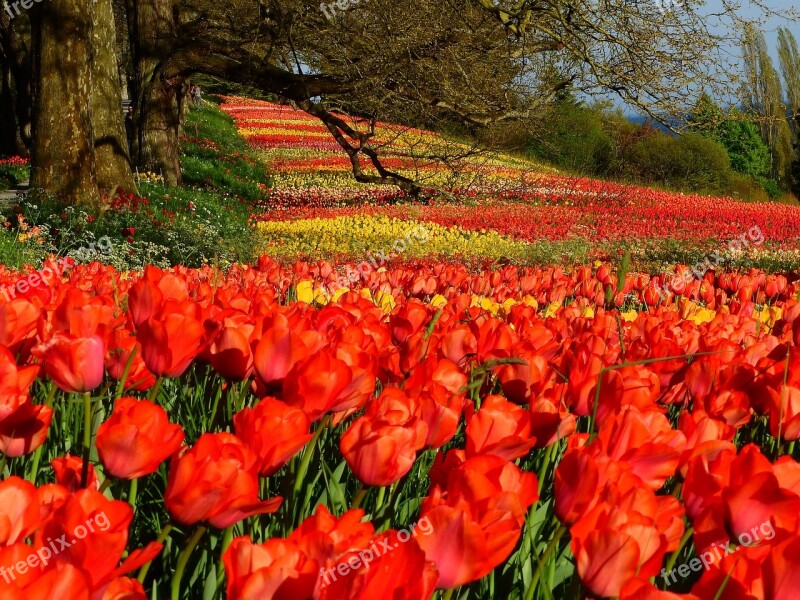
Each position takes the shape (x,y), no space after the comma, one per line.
(483,395)
(502,205)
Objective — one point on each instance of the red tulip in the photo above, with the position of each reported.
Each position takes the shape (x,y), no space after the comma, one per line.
(69,470)
(317,384)
(476,510)
(381,446)
(402,574)
(136,439)
(19,510)
(25,430)
(500,428)
(170,343)
(274,431)
(215,481)
(74,364)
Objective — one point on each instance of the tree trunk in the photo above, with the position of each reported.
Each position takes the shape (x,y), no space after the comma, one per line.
(9,127)
(159,98)
(110,140)
(63,138)
(15,87)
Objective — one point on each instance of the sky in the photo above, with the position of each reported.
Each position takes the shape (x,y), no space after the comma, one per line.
(771,26)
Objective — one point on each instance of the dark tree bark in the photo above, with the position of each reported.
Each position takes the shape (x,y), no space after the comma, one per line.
(110,140)
(63,138)
(159,92)
(15,86)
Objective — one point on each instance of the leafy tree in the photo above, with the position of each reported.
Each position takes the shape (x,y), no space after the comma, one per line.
(738,133)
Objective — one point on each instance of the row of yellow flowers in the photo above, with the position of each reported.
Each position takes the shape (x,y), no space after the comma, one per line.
(367,236)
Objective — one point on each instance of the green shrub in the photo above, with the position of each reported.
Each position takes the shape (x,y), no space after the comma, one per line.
(572,137)
(689,162)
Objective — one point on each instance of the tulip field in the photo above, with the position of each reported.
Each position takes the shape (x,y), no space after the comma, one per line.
(352,418)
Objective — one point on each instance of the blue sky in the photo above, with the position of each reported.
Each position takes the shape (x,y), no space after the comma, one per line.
(770,27)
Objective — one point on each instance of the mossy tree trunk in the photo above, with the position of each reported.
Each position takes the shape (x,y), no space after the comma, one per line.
(110,140)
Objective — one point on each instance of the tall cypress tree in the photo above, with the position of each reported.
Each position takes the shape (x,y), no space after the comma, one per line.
(789,56)
(763,96)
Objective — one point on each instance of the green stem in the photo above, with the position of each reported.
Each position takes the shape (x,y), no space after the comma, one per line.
(226,541)
(543,559)
(87,437)
(360,495)
(124,378)
(132,493)
(161,537)
(674,557)
(309,452)
(155,389)
(381,497)
(183,559)
(448,594)
(37,455)
(243,395)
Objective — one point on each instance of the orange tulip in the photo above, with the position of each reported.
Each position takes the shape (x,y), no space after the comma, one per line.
(136,438)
